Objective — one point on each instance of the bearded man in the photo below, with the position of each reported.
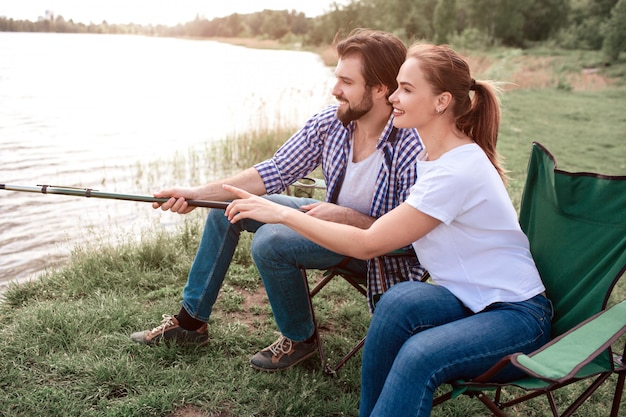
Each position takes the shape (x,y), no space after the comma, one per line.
(368,167)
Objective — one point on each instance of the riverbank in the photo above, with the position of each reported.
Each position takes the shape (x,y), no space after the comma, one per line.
(531,68)
(65,338)
(326,53)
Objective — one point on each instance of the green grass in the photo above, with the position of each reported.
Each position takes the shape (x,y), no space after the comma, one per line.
(585,131)
(64,338)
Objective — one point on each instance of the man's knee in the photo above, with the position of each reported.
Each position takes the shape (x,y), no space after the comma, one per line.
(269,241)
(216,217)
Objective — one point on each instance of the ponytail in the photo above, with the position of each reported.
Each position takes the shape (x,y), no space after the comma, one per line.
(482,121)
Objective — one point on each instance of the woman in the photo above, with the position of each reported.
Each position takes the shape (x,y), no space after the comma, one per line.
(488,299)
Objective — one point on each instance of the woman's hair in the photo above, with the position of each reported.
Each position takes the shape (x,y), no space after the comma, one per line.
(382,54)
(478,114)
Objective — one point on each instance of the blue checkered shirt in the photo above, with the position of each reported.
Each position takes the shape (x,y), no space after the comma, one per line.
(324,140)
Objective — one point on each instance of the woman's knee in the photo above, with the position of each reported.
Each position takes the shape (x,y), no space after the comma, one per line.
(413,306)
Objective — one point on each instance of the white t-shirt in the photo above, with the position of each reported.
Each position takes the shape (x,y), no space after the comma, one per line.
(479,251)
(359,183)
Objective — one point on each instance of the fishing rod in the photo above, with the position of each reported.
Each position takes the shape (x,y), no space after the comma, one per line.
(88,192)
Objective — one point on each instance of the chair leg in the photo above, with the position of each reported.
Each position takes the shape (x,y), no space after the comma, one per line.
(586,394)
(319,285)
(552,403)
(442,398)
(490,405)
(318,339)
(332,370)
(619,391)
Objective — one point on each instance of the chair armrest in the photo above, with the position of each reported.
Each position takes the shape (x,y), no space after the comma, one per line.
(566,355)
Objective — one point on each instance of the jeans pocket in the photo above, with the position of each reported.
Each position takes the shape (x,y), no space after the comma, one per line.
(535,314)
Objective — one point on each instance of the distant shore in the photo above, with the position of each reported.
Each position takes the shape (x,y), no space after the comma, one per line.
(326,52)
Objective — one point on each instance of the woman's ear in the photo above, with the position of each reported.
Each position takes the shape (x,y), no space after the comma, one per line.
(444,100)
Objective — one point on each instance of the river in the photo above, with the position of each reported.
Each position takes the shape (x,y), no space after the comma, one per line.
(90,110)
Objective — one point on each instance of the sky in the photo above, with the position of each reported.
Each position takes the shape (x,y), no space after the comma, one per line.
(167,12)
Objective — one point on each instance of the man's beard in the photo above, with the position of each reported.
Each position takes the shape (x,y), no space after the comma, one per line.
(360,109)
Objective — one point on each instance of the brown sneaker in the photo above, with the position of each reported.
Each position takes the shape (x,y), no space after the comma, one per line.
(169,331)
(282,354)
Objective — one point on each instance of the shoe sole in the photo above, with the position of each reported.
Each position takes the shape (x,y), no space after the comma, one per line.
(169,342)
(271,370)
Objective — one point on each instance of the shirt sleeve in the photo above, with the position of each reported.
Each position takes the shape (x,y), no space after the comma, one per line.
(440,193)
(300,155)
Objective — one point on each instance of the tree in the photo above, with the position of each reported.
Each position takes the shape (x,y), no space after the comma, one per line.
(274,24)
(614,32)
(509,22)
(299,23)
(500,20)
(255,22)
(586,19)
(544,18)
(234,25)
(444,20)
(412,19)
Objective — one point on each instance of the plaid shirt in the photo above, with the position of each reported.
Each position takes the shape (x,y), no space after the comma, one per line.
(324,140)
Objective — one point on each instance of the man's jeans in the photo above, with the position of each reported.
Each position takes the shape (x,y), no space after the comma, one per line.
(278,253)
(422,336)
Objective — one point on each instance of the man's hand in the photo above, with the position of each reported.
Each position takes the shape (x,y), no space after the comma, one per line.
(327,211)
(338,214)
(177,203)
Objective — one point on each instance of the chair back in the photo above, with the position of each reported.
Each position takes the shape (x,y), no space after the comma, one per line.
(576,225)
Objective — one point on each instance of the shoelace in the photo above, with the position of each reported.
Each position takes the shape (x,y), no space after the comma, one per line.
(165,323)
(278,346)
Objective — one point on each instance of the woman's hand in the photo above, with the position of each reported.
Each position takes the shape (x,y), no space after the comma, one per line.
(250,206)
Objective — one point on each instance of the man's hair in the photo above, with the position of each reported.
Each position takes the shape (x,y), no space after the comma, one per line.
(381,54)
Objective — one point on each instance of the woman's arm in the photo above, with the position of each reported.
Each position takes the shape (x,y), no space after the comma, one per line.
(394,230)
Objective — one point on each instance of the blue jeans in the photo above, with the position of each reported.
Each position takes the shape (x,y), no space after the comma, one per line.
(278,253)
(422,336)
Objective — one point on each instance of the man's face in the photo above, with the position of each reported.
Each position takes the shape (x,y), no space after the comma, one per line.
(355,98)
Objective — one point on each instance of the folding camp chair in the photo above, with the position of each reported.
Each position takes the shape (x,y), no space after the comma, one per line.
(576,224)
(356,281)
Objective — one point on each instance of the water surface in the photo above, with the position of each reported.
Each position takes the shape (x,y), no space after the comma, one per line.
(94,110)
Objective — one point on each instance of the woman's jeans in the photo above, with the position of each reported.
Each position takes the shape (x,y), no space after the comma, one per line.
(422,336)
(278,253)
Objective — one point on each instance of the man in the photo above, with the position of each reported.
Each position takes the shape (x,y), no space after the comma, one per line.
(368,166)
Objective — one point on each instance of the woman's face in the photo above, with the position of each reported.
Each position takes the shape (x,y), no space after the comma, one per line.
(414,103)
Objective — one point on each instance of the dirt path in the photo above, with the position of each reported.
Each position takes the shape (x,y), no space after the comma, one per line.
(526,72)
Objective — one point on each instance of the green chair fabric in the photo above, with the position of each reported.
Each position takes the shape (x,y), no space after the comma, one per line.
(576,225)
(566,357)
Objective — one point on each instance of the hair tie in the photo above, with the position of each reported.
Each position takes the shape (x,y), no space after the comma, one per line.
(473,85)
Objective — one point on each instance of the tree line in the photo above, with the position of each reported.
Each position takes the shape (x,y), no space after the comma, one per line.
(569,24)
